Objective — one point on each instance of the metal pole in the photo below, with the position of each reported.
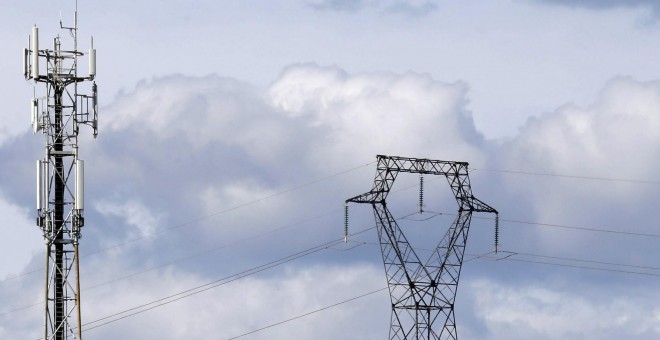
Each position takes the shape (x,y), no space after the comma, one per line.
(58,147)
(46,289)
(79,317)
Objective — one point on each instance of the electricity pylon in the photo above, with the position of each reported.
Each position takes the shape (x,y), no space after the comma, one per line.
(60,175)
(422,293)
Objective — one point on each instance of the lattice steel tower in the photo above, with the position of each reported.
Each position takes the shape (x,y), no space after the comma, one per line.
(60,184)
(423,293)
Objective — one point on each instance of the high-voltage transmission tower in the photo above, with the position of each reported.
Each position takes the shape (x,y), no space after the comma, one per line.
(60,184)
(422,293)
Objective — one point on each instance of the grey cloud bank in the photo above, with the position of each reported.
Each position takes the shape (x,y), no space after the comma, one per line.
(407,7)
(176,148)
(602,4)
(198,177)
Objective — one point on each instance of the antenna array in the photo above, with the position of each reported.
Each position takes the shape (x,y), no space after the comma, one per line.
(60,174)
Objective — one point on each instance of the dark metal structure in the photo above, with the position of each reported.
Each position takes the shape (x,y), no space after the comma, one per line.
(422,293)
(60,184)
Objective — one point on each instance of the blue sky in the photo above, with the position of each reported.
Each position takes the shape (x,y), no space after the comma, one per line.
(218,120)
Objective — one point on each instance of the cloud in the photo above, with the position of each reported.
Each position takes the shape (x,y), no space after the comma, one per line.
(338,5)
(21,311)
(618,131)
(615,137)
(134,214)
(251,303)
(369,114)
(209,163)
(26,238)
(546,312)
(407,7)
(605,4)
(178,148)
(218,142)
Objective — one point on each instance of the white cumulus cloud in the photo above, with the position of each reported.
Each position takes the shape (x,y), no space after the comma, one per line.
(538,312)
(368,114)
(178,152)
(408,7)
(247,305)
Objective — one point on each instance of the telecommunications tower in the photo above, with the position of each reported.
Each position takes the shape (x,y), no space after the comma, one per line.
(60,174)
(422,293)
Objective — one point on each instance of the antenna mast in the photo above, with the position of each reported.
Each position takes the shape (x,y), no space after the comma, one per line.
(60,174)
(422,293)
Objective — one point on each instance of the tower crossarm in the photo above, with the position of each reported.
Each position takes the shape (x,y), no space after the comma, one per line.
(457,174)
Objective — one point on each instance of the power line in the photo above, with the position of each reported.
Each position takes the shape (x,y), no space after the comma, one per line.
(511,257)
(199,289)
(236,207)
(479,256)
(312,250)
(599,230)
(486,255)
(581,260)
(18,276)
(295,256)
(202,218)
(202,288)
(475,257)
(309,313)
(576,266)
(21,308)
(513,221)
(318,180)
(208,251)
(407,217)
(167,229)
(298,187)
(593,178)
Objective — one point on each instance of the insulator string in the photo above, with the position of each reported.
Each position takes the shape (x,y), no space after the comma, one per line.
(421,193)
(497,232)
(345,222)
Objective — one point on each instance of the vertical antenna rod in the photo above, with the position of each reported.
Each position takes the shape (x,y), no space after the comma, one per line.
(60,175)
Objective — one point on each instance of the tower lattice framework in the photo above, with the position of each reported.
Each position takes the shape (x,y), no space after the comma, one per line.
(422,293)
(60,174)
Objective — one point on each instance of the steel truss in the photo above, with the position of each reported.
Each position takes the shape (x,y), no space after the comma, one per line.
(59,115)
(422,293)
